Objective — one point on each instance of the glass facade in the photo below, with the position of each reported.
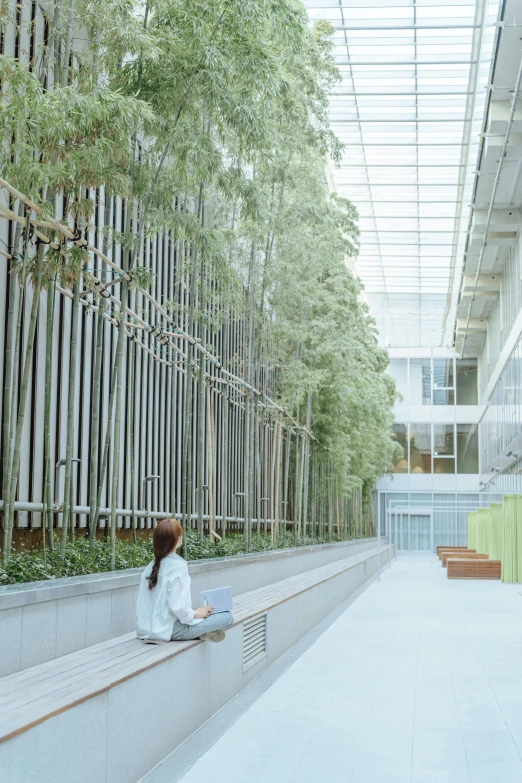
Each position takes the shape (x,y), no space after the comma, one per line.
(411,530)
(420,448)
(467,448)
(398,369)
(408,69)
(420,382)
(432,381)
(400,432)
(502,422)
(509,481)
(437,448)
(467,382)
(504,313)
(443,382)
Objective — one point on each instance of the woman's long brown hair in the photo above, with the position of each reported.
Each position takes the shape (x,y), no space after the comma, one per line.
(166,535)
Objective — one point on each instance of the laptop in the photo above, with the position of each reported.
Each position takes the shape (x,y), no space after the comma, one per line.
(220,599)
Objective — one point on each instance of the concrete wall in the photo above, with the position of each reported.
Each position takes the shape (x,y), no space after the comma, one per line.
(40,621)
(119,735)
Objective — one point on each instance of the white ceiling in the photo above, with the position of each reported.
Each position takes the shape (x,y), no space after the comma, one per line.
(498,184)
(410,109)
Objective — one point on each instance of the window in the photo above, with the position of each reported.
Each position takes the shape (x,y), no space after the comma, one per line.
(400,432)
(420,381)
(444,448)
(420,448)
(443,382)
(398,369)
(467,448)
(443,440)
(467,382)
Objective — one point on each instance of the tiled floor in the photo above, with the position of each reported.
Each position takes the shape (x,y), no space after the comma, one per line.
(419,681)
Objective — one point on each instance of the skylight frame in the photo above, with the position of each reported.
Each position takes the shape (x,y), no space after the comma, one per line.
(405,110)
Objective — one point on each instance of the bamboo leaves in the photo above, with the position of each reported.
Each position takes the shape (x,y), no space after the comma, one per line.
(207,123)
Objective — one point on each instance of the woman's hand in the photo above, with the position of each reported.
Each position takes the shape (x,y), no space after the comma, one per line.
(202,612)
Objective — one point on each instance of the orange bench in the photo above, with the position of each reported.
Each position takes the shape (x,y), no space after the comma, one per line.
(445,556)
(453,549)
(467,568)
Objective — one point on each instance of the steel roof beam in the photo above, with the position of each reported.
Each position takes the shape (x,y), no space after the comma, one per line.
(376,28)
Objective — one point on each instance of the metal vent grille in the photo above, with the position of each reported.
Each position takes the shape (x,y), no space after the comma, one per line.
(254,641)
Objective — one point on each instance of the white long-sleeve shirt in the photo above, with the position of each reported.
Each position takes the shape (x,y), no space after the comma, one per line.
(157,609)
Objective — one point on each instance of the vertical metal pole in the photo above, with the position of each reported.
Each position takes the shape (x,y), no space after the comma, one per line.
(396,539)
(389,538)
(378,536)
(456,521)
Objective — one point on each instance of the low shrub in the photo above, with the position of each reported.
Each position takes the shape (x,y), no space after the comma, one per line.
(82,557)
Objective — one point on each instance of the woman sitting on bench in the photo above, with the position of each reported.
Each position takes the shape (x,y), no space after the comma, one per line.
(164,611)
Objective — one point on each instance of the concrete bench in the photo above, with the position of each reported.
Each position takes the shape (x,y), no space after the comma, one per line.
(478,568)
(41,621)
(110,712)
(445,556)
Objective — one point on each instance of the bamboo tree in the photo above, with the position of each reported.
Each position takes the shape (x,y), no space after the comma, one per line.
(132,447)
(258,429)
(186,480)
(249,462)
(211,465)
(68,44)
(313,510)
(94,493)
(71,404)
(306,460)
(47,516)
(13,348)
(277,482)
(8,398)
(201,397)
(50,43)
(288,448)
(270,118)
(24,388)
(224,461)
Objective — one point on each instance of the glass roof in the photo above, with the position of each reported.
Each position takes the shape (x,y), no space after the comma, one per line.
(410,113)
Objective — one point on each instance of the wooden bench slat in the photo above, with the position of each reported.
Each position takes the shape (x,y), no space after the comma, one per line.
(445,556)
(65,661)
(465,568)
(248,604)
(23,718)
(68,663)
(31,696)
(25,695)
(441,551)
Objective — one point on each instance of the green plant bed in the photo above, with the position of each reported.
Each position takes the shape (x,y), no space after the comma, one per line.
(82,557)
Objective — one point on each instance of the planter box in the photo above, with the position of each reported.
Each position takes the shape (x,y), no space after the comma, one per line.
(40,621)
(100,723)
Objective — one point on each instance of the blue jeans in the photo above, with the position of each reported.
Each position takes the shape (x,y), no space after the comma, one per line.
(216,622)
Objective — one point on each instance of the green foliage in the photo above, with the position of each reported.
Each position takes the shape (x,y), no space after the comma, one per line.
(82,557)
(81,137)
(175,102)
(326,337)
(142,276)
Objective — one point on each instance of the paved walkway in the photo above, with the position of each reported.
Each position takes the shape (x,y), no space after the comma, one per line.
(419,681)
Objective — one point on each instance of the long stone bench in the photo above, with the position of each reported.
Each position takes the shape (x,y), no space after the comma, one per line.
(41,621)
(109,713)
